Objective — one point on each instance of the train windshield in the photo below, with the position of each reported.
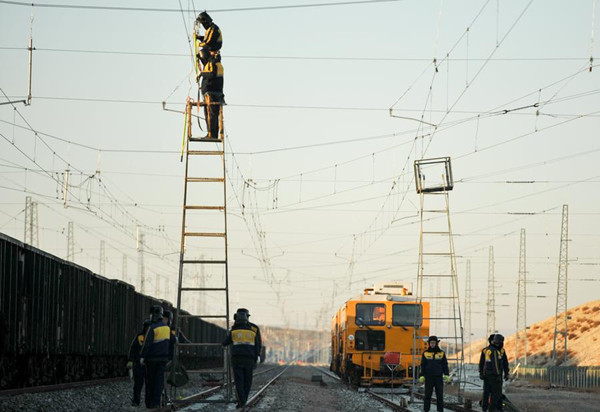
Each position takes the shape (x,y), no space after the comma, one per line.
(407,315)
(370,314)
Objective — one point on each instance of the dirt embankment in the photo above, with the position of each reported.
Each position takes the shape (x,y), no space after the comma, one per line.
(583,340)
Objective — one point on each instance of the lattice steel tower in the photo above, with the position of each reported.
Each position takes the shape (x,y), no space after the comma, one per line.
(102,268)
(31,231)
(437,261)
(521,329)
(491,298)
(141,265)
(70,242)
(468,309)
(561,318)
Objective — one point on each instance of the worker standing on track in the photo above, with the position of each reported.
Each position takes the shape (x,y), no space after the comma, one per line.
(485,401)
(493,363)
(434,371)
(134,363)
(246,344)
(155,355)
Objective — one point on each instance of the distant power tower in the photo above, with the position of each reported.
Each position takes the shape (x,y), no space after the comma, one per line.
(491,299)
(141,267)
(468,310)
(521,333)
(124,268)
(70,242)
(31,232)
(102,258)
(560,319)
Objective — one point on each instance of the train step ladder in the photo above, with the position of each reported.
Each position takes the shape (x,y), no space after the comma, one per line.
(437,281)
(204,232)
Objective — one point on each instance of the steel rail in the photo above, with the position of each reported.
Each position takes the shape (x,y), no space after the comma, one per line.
(256,397)
(188,400)
(59,386)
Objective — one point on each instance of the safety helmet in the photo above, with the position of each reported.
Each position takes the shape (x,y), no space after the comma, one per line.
(156,313)
(204,18)
(433,338)
(168,314)
(241,315)
(498,340)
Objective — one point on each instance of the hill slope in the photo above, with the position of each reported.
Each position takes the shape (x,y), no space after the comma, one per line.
(584,337)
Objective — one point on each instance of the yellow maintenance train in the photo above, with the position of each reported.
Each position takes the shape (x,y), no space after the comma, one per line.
(377,337)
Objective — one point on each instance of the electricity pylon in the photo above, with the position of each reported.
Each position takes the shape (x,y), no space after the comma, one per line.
(521,333)
(70,242)
(561,318)
(102,258)
(491,299)
(468,309)
(31,232)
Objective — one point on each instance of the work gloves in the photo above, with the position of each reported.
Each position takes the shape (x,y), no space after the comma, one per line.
(481,376)
(129,364)
(506,377)
(142,361)
(422,379)
(447,379)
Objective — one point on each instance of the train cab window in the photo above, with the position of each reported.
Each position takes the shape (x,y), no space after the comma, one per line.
(407,315)
(370,340)
(370,314)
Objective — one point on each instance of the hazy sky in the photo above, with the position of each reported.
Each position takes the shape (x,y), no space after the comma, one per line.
(321,175)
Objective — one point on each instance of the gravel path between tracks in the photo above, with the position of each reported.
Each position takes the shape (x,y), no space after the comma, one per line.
(294,392)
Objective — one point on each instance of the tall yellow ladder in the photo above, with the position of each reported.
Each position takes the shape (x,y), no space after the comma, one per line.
(204,248)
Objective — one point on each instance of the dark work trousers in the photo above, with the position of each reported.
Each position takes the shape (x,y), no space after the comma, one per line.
(485,402)
(243,381)
(494,384)
(139,373)
(212,113)
(432,382)
(155,382)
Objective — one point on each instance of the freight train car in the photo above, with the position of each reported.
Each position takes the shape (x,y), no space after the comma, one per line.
(376,337)
(59,322)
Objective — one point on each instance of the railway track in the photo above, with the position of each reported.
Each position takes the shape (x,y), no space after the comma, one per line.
(401,402)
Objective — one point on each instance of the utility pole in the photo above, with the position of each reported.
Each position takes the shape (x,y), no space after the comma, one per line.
(102,258)
(561,318)
(124,268)
(157,286)
(141,267)
(522,302)
(31,232)
(468,309)
(70,242)
(491,299)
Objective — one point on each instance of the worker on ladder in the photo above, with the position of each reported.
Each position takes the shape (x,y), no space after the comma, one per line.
(212,90)
(211,41)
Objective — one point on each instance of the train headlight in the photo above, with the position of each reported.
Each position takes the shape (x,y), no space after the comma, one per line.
(351,338)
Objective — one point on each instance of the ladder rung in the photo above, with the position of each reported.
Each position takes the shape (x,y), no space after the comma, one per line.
(205,152)
(204,316)
(434,211)
(436,233)
(204,234)
(437,254)
(437,276)
(203,289)
(202,139)
(204,207)
(206,262)
(205,179)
